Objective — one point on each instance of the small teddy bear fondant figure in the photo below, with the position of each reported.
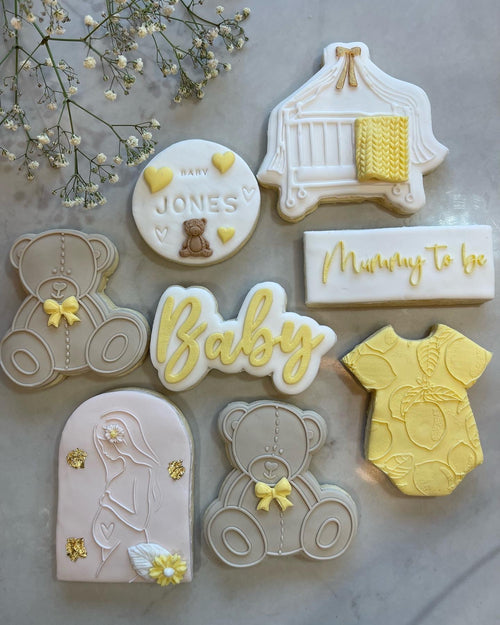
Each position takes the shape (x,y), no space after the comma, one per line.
(67,325)
(270,504)
(195,243)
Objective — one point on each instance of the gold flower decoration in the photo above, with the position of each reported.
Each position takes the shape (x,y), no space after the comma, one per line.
(168,569)
(176,469)
(76,458)
(75,548)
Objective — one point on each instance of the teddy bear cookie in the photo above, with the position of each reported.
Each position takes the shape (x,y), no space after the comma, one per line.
(125,491)
(66,324)
(270,504)
(196,203)
(350,133)
(421,431)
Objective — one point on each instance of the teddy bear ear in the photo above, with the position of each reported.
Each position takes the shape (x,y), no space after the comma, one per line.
(18,248)
(316,430)
(104,251)
(229,418)
(204,220)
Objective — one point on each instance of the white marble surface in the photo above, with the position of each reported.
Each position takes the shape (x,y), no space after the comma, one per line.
(415,561)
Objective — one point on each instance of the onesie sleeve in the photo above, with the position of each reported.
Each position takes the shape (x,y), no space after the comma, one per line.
(465,360)
(370,363)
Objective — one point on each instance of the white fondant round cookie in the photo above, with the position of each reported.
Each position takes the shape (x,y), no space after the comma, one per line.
(196,203)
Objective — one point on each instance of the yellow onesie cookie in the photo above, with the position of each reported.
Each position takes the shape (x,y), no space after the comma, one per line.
(421,432)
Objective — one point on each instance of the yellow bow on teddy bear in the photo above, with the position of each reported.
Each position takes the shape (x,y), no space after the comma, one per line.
(66,309)
(279,492)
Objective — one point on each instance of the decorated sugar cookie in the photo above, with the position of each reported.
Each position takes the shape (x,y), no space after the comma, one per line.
(421,431)
(125,491)
(350,133)
(389,266)
(196,203)
(67,325)
(270,504)
(190,337)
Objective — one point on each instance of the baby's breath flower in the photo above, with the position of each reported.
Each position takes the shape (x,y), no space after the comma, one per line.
(75,140)
(48,62)
(238,17)
(240,43)
(219,9)
(72,90)
(110,95)
(114,178)
(89,62)
(11,156)
(16,23)
(132,141)
(43,139)
(101,158)
(88,20)
(142,31)
(227,67)
(147,136)
(246,12)
(174,69)
(121,61)
(31,18)
(60,30)
(167,10)
(197,42)
(25,65)
(225,30)
(118,160)
(154,123)
(138,65)
(52,106)
(33,165)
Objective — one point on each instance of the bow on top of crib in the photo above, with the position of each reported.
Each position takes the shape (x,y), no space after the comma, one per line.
(348,69)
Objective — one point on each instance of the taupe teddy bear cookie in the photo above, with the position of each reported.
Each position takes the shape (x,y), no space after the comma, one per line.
(67,325)
(270,504)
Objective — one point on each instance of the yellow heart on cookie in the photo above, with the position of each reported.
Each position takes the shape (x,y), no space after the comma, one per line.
(158,179)
(223,162)
(225,233)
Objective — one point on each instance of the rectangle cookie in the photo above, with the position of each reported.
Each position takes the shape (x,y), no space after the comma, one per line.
(428,265)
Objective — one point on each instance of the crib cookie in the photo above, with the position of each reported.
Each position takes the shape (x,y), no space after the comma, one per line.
(351,133)
(67,325)
(196,203)
(270,504)
(421,431)
(125,491)
(190,337)
(389,266)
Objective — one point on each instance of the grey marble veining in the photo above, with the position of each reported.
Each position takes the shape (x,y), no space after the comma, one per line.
(415,561)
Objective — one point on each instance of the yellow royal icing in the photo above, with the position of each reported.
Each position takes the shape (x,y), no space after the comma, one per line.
(223,162)
(382,151)
(190,338)
(225,233)
(158,179)
(422,433)
(66,309)
(279,493)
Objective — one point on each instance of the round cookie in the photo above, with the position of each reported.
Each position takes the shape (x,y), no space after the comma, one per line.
(196,203)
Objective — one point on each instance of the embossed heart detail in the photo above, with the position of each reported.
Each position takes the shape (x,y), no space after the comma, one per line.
(223,162)
(225,233)
(158,179)
(161,233)
(248,193)
(107,530)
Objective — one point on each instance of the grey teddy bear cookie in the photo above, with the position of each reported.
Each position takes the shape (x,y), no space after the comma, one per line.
(270,504)
(67,325)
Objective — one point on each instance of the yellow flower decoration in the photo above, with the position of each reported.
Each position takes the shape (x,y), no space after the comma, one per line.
(168,569)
